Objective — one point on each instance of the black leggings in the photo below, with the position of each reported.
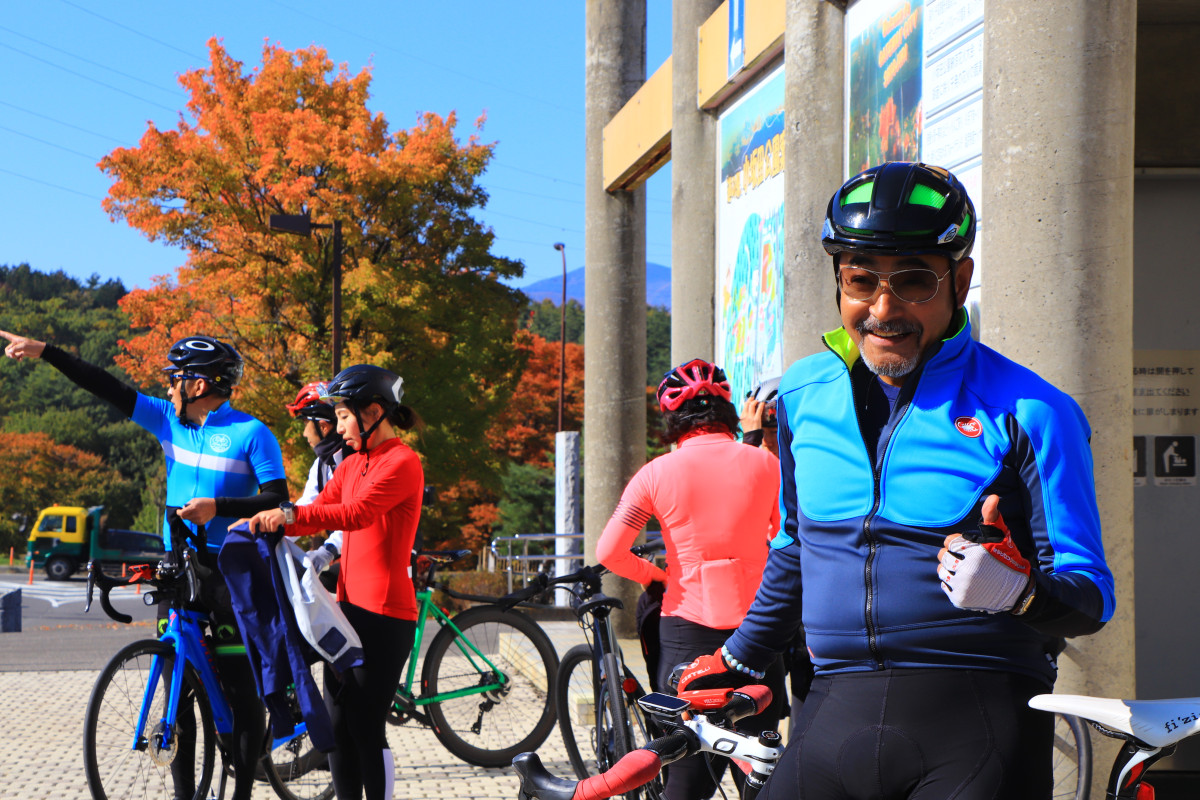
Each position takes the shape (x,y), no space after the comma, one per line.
(681,642)
(249,729)
(918,734)
(358,703)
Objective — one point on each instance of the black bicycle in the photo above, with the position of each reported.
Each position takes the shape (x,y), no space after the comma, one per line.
(595,692)
(694,722)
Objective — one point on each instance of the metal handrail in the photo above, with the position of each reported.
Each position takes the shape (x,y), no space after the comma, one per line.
(563,563)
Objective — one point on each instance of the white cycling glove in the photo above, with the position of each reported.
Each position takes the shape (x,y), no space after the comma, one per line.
(989,576)
(320,558)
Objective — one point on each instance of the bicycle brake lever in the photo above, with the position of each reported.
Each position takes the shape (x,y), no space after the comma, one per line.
(91,586)
(190,570)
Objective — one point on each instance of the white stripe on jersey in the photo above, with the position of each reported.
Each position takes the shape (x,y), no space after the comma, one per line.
(206,460)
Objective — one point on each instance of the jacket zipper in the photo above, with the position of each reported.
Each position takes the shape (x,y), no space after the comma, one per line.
(902,404)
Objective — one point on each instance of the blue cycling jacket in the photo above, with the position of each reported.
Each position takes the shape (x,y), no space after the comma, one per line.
(856,558)
(231,454)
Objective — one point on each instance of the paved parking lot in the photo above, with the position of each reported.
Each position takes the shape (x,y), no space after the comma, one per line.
(41,715)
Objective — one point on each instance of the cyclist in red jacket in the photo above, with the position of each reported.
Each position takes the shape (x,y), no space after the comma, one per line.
(717,503)
(374,497)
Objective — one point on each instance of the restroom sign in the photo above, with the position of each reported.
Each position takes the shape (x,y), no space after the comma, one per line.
(1174,460)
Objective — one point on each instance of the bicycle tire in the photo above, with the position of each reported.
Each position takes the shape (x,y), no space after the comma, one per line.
(116,771)
(575,702)
(1072,758)
(295,769)
(490,729)
(612,716)
(575,696)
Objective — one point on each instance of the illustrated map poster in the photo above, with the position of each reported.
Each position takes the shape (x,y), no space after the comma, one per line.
(914,92)
(750,240)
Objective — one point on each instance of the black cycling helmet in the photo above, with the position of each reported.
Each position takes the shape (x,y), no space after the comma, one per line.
(901,208)
(364,384)
(210,358)
(361,385)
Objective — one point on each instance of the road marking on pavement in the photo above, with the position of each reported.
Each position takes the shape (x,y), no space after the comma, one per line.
(60,593)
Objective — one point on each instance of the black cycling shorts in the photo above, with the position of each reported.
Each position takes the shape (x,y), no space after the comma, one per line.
(918,734)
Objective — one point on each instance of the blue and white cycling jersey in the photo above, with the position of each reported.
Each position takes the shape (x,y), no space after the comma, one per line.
(230,455)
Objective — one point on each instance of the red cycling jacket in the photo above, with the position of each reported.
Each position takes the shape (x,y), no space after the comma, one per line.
(718,504)
(377,504)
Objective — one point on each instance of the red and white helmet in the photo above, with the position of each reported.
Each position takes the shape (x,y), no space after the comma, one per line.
(309,405)
(696,378)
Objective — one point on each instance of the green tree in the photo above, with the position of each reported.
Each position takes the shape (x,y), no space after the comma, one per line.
(658,344)
(543,319)
(527,500)
(84,318)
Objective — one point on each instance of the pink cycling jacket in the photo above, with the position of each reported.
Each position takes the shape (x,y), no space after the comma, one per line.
(718,504)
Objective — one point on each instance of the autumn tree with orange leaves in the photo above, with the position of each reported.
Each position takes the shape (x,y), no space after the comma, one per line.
(50,474)
(421,290)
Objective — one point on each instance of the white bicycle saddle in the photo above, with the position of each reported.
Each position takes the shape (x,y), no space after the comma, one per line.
(1156,722)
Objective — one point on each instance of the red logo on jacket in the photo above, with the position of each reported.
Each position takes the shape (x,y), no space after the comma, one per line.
(969,427)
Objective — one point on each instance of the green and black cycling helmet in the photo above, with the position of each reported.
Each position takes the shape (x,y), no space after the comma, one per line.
(204,356)
(901,208)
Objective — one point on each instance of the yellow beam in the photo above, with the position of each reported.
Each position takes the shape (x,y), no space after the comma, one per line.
(765,23)
(637,140)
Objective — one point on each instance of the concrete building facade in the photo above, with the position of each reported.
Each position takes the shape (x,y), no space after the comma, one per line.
(1073,124)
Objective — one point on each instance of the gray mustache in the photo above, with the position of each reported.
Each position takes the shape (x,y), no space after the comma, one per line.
(871,325)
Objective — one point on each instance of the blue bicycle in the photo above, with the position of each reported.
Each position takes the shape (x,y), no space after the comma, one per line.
(131,736)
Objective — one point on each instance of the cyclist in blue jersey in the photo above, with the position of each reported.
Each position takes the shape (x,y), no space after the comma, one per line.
(222,465)
(940,530)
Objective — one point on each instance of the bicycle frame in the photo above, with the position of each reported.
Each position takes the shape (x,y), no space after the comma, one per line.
(426,609)
(185,635)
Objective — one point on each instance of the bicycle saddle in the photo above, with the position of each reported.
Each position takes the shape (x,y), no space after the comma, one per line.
(1158,723)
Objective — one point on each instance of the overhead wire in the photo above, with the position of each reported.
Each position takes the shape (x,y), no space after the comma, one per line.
(174,91)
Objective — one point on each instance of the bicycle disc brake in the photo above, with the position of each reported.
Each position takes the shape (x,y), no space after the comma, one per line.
(162,756)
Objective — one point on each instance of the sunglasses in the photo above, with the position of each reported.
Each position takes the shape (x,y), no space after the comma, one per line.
(909,285)
(178,377)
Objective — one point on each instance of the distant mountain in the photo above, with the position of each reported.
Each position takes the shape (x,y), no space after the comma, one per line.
(658,287)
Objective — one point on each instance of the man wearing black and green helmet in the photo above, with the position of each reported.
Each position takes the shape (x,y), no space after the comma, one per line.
(940,532)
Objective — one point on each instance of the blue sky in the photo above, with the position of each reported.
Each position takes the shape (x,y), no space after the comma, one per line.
(82,77)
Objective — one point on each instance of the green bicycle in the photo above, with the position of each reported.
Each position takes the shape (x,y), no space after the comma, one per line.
(488,676)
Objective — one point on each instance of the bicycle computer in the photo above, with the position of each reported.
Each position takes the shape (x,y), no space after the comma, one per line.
(659,703)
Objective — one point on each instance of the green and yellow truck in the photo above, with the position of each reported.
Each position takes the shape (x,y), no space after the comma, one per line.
(65,538)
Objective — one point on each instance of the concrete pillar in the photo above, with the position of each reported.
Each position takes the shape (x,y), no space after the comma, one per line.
(693,191)
(568,520)
(814,146)
(614,399)
(1057,211)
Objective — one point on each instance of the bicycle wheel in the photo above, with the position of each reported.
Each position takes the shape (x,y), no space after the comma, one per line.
(295,769)
(119,768)
(489,728)
(1072,758)
(612,718)
(575,699)
(575,702)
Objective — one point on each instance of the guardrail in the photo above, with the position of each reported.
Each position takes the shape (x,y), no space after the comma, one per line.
(511,554)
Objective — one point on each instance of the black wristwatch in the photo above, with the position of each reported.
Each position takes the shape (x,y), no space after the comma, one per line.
(289,512)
